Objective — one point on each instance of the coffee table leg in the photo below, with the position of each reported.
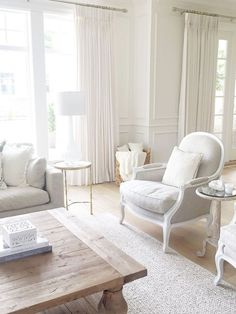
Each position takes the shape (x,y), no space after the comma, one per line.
(113,302)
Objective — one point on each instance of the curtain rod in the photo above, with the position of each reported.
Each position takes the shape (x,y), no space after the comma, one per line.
(91,5)
(182,11)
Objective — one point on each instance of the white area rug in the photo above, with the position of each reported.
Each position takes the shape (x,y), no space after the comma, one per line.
(173,285)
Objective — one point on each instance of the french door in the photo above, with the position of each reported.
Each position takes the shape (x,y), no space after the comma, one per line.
(224,120)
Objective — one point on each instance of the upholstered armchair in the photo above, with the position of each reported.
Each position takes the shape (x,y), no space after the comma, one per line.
(170,206)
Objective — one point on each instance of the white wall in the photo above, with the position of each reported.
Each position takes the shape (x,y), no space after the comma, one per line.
(155,67)
(149,110)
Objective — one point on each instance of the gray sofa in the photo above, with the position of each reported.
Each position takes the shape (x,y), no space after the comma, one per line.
(26,199)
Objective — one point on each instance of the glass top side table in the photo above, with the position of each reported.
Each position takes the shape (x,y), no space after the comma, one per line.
(65,166)
(213,233)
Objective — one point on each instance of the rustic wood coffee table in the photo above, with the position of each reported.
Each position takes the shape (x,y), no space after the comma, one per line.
(82,264)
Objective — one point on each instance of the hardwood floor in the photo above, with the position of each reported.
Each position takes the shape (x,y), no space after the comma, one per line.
(185,240)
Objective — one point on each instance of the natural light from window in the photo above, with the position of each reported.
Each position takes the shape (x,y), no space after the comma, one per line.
(60,66)
(15,88)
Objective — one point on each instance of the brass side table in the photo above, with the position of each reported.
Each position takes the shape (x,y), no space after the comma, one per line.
(65,166)
(214,224)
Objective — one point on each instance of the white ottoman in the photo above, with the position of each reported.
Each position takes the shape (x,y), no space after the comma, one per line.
(226,250)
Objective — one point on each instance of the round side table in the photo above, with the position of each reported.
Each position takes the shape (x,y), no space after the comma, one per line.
(214,223)
(65,166)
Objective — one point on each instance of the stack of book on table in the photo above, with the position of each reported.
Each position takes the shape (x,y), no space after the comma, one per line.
(19,239)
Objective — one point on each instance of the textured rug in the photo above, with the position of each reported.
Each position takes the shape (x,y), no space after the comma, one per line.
(173,285)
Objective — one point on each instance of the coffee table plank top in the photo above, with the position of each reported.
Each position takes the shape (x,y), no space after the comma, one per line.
(73,270)
(123,263)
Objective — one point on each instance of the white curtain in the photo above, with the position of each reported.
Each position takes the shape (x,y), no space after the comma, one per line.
(95,77)
(198,83)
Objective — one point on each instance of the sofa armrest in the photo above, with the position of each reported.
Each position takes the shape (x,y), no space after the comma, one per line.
(151,172)
(54,186)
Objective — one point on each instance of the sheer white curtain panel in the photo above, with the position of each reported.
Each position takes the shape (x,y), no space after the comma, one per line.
(198,83)
(95,77)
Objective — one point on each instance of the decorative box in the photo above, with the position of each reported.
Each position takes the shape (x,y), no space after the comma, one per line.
(21,232)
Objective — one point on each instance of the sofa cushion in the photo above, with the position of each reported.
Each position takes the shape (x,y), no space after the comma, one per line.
(3,185)
(153,196)
(2,145)
(15,162)
(22,197)
(35,175)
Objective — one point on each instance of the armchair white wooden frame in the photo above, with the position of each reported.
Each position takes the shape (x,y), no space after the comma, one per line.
(155,172)
(222,255)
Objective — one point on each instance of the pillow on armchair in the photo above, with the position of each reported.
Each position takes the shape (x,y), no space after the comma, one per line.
(181,168)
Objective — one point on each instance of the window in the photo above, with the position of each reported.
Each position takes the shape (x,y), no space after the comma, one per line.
(234,120)
(60,65)
(220,88)
(15,87)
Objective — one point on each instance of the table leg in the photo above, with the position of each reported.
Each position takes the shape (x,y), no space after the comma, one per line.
(213,232)
(113,302)
(216,223)
(91,191)
(66,192)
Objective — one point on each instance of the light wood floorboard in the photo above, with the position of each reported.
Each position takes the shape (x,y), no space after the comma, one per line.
(185,240)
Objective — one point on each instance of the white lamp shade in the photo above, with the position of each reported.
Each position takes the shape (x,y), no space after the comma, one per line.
(71,103)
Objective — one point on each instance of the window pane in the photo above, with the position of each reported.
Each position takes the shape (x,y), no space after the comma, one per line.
(59,33)
(218,124)
(221,68)
(3,37)
(15,102)
(2,20)
(220,87)
(16,21)
(222,49)
(60,66)
(219,105)
(13,28)
(17,39)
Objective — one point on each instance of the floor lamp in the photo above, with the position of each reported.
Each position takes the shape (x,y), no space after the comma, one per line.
(71,103)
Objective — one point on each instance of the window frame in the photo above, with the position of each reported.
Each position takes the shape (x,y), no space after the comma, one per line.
(36,10)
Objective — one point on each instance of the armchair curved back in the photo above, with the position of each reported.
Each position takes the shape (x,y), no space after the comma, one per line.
(210,147)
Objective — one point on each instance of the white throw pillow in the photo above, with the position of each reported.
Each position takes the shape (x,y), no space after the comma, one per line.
(36,172)
(136,147)
(15,162)
(181,168)
(123,148)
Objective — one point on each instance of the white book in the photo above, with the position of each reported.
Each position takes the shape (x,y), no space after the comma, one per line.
(7,251)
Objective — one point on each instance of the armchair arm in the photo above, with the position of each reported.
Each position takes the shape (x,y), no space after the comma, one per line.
(197,182)
(151,172)
(54,186)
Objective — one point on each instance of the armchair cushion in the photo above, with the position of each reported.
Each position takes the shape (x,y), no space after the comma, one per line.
(153,196)
(181,168)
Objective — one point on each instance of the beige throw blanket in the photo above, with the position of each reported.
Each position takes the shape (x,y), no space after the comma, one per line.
(129,160)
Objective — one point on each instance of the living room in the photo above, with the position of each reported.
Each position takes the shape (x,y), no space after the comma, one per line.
(117,156)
